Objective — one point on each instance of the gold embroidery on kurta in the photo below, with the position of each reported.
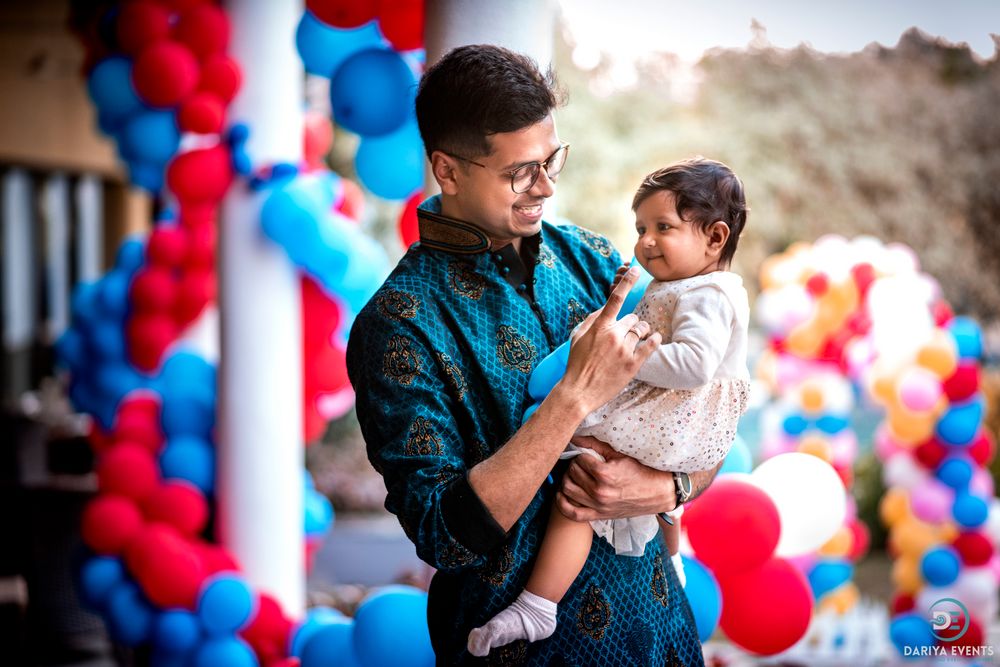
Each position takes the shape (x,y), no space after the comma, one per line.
(397,305)
(455,555)
(594,615)
(658,585)
(508,654)
(596,241)
(465,281)
(514,350)
(546,257)
(577,313)
(401,363)
(454,373)
(422,440)
(497,568)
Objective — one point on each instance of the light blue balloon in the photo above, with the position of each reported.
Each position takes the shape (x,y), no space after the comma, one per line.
(316,618)
(372,93)
(968,337)
(131,255)
(150,137)
(911,630)
(704,596)
(940,566)
(228,651)
(190,459)
(795,424)
(635,294)
(828,575)
(110,87)
(392,166)
(390,629)
(956,472)
(832,424)
(548,372)
(530,411)
(969,510)
(226,604)
(176,631)
(738,459)
(130,616)
(98,577)
(318,513)
(332,644)
(323,48)
(959,425)
(187,372)
(188,413)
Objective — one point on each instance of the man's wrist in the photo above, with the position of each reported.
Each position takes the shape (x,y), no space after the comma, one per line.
(565,401)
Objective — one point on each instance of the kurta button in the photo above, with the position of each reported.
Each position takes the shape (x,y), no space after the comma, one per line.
(505,270)
(522,287)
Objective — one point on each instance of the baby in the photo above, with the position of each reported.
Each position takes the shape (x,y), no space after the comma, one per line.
(681,410)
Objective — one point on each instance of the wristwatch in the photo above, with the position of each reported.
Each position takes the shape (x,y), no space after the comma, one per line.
(682,487)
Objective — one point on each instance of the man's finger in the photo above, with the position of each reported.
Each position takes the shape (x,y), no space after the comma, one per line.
(611,309)
(646,348)
(581,477)
(575,493)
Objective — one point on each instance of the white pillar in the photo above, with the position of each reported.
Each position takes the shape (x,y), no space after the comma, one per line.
(58,282)
(90,228)
(260,457)
(18,261)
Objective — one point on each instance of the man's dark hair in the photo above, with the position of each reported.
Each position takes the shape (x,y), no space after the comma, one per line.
(479,90)
(704,191)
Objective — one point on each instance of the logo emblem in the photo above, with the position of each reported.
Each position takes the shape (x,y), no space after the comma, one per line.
(949,619)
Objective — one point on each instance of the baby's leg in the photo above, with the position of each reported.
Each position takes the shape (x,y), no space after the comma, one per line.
(672,540)
(532,615)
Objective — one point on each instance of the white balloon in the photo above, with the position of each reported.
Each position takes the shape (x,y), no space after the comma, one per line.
(992,526)
(903,471)
(810,498)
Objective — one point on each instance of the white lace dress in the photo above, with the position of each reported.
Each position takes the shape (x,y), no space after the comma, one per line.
(681,411)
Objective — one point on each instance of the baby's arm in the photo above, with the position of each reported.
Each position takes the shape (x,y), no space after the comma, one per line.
(702,327)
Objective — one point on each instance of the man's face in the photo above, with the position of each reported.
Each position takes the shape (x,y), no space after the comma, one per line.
(484,196)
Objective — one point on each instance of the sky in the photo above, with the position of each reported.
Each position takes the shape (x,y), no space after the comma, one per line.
(628,29)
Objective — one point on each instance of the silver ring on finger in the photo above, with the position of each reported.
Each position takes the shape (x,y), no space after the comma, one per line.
(633,331)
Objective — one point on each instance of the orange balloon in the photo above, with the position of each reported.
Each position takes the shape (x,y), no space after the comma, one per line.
(812,396)
(912,537)
(906,575)
(894,506)
(818,446)
(840,600)
(939,355)
(908,427)
(839,545)
(805,340)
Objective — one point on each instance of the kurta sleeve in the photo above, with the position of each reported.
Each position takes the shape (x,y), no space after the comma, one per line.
(702,326)
(409,425)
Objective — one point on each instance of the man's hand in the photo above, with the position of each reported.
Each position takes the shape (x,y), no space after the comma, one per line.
(617,488)
(605,353)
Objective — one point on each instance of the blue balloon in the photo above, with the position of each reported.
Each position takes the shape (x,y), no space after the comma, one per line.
(738,459)
(911,630)
(316,618)
(71,350)
(548,372)
(190,459)
(323,48)
(176,631)
(151,136)
(84,397)
(635,294)
(226,604)
(828,575)
(187,414)
(394,617)
(968,337)
(940,566)
(107,341)
(704,596)
(115,379)
(84,303)
(110,86)
(130,616)
(367,267)
(333,644)
(189,373)
(98,577)
(113,297)
(372,92)
(318,513)
(956,472)
(832,424)
(146,175)
(392,166)
(795,424)
(228,651)
(969,510)
(959,425)
(131,255)
(530,411)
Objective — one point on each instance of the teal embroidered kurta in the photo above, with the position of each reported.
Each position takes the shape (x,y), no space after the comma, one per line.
(440,359)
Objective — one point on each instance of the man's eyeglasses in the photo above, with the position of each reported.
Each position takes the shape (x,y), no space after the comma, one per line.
(524,177)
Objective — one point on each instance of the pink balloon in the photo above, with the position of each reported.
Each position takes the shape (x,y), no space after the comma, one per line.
(885,445)
(919,389)
(981,483)
(931,501)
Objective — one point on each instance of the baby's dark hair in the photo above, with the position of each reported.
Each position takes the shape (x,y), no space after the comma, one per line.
(705,191)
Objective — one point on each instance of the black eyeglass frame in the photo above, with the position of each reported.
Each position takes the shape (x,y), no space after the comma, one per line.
(536,166)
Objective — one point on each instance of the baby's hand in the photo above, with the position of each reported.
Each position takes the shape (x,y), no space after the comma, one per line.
(618,277)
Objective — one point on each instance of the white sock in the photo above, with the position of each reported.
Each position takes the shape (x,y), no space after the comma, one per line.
(679,568)
(530,617)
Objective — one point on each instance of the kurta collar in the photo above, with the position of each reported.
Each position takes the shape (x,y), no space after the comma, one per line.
(440,232)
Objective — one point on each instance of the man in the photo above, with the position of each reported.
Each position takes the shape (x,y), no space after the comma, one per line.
(440,359)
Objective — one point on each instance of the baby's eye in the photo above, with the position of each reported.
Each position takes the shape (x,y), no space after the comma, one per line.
(664,227)
(640,230)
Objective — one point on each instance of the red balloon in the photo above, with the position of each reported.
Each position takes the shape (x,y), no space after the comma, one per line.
(99,439)
(902,603)
(942,313)
(203,112)
(167,566)
(220,75)
(165,73)
(148,337)
(733,507)
(320,315)
(864,275)
(204,29)
(963,383)
(197,290)
(140,431)
(200,176)
(142,548)
(326,371)
(179,504)
(201,246)
(982,448)
(861,539)
(353,203)
(153,290)
(930,453)
(128,470)
(818,284)
(973,637)
(167,246)
(409,229)
(974,548)
(109,523)
(317,138)
(268,633)
(140,24)
(343,13)
(313,423)
(215,558)
(766,609)
(402,23)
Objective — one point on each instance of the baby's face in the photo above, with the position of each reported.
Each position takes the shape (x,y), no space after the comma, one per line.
(668,247)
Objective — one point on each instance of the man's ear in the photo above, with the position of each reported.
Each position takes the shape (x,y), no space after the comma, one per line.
(444,168)
(718,234)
